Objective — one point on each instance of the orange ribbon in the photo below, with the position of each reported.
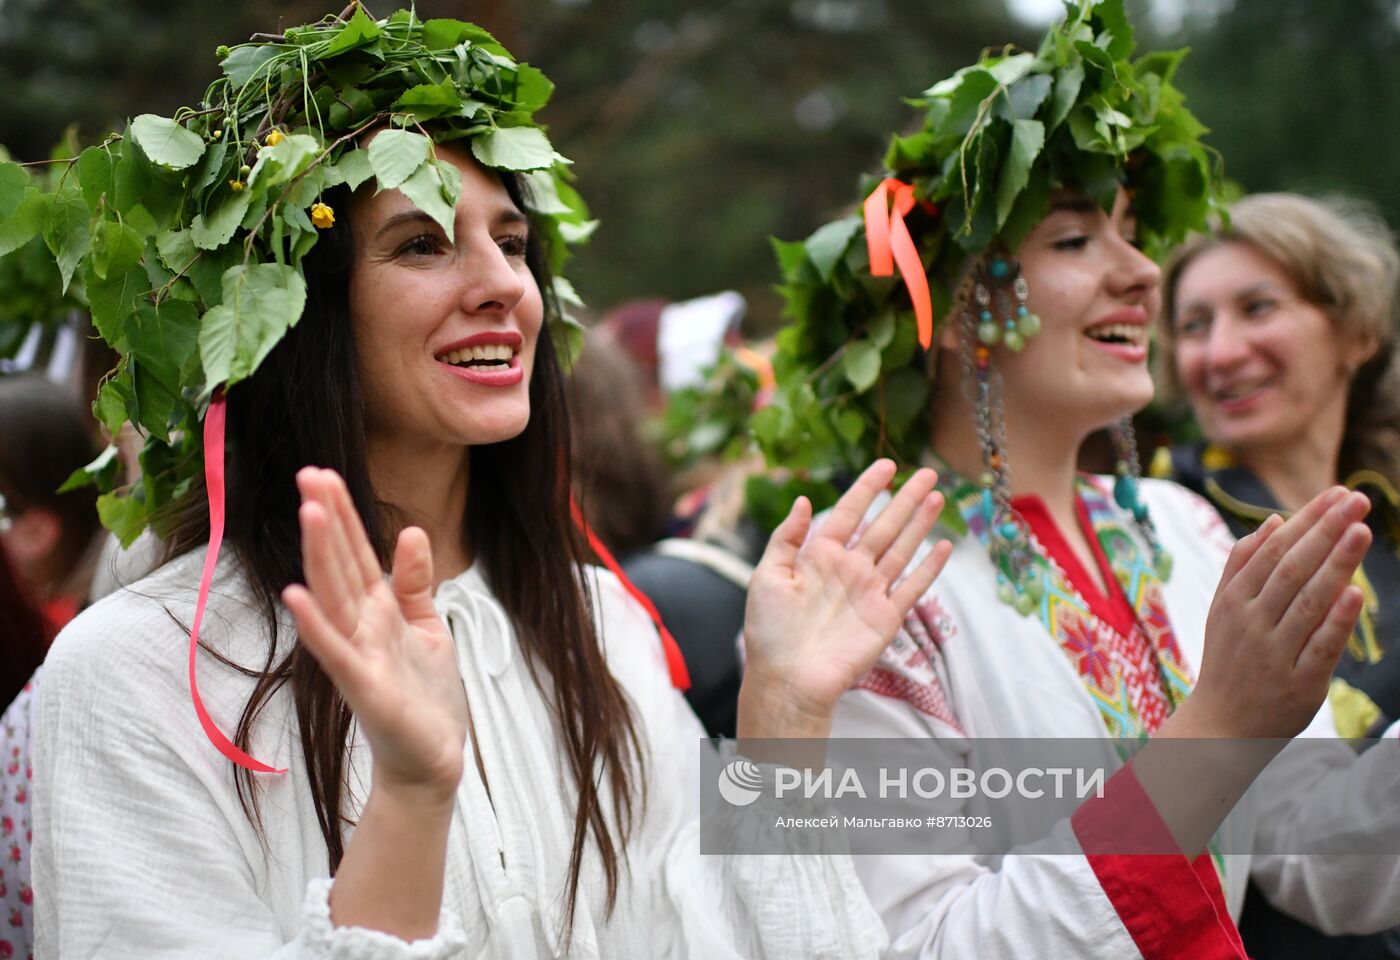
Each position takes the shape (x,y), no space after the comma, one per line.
(889,242)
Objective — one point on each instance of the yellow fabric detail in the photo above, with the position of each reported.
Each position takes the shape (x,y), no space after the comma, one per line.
(1354,712)
(1161,465)
(1214,458)
(1363,644)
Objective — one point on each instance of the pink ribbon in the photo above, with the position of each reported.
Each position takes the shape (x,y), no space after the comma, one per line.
(214,421)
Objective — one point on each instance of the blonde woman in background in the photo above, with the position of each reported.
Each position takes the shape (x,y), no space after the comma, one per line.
(1280,330)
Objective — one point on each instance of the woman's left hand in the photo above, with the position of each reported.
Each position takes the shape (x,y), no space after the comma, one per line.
(821,610)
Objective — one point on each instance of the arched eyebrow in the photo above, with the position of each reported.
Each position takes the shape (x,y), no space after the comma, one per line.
(1261,287)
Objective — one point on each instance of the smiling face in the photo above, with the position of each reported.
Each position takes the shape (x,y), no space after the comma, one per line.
(445,331)
(1260,366)
(1095,293)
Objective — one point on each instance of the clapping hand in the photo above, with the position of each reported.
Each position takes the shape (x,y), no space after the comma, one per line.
(1281,617)
(822,608)
(381,642)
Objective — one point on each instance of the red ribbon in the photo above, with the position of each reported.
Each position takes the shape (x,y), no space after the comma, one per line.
(675,663)
(889,242)
(214,424)
(214,482)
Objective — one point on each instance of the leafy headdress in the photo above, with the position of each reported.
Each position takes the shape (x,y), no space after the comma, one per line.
(186,235)
(996,140)
(936,236)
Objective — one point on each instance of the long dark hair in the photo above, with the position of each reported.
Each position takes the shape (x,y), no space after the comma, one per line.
(26,636)
(305,406)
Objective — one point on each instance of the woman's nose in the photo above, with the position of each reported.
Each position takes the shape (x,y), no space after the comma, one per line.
(1226,346)
(1137,273)
(492,282)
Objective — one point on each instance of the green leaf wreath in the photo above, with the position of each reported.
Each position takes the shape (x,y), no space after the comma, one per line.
(184,235)
(996,140)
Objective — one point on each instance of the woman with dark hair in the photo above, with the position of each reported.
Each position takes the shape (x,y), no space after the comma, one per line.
(1280,331)
(45,435)
(481,755)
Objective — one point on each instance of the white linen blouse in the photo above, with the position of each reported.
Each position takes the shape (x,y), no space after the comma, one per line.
(142,848)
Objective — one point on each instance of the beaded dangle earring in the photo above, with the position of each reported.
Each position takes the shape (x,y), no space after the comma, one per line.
(1020,580)
(1002,314)
(1128,495)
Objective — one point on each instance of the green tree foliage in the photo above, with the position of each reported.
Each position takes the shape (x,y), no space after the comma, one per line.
(698,129)
(1300,95)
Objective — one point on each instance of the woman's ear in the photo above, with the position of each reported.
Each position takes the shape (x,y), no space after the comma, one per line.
(1357,351)
(948,336)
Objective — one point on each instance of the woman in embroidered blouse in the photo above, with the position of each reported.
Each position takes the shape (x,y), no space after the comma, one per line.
(484,751)
(1280,331)
(1060,612)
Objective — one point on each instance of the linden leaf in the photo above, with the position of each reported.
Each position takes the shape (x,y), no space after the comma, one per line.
(1114,19)
(260,303)
(176,249)
(352,169)
(218,229)
(395,155)
(862,364)
(446,34)
(26,221)
(112,299)
(112,399)
(1068,83)
(155,403)
(13,181)
(430,100)
(359,32)
(66,230)
(828,244)
(434,189)
(124,516)
(532,88)
(116,248)
(542,195)
(514,148)
(1027,140)
(245,62)
(284,161)
(102,470)
(96,168)
(162,339)
(165,141)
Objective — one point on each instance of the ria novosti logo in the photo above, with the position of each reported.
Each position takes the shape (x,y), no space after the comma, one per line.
(740,782)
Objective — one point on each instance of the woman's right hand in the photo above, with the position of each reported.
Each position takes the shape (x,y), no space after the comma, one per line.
(1281,616)
(382,643)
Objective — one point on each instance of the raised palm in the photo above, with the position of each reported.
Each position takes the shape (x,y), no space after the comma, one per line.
(822,608)
(381,642)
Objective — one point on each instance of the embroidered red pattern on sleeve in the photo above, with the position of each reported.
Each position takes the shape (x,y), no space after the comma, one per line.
(906,670)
